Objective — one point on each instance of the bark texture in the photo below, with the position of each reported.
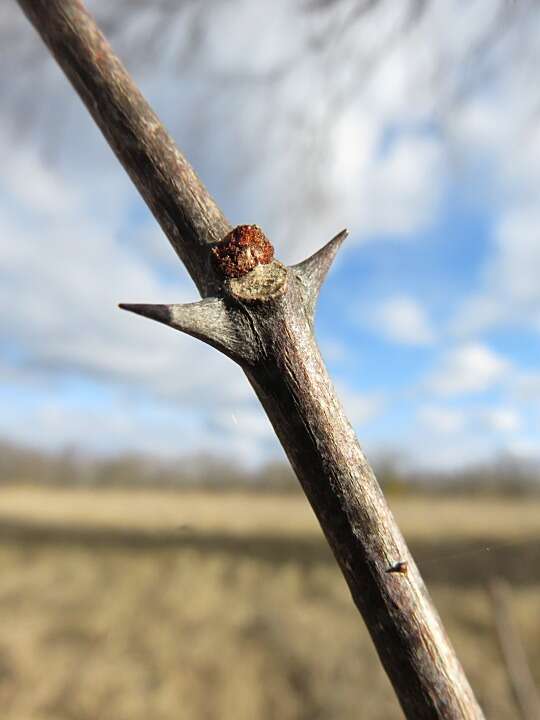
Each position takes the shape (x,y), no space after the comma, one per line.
(263,319)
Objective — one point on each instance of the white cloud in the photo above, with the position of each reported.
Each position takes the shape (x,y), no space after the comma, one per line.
(122,424)
(450,438)
(248,423)
(526,387)
(360,408)
(501,419)
(45,192)
(395,192)
(525,448)
(404,188)
(447,421)
(442,420)
(511,290)
(333,349)
(469,368)
(403,320)
(517,259)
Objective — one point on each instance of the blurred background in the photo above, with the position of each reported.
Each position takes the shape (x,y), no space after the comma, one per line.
(157,558)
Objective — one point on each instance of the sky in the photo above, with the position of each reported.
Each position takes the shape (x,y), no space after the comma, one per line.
(421,136)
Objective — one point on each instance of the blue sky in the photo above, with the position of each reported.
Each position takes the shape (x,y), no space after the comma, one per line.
(430,319)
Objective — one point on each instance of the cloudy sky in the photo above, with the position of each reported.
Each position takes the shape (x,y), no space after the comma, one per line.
(419,131)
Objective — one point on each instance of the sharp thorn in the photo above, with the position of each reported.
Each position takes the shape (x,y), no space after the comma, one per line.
(161,313)
(314,269)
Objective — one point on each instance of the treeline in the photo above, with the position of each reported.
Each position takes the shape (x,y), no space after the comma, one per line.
(25,465)
(505,475)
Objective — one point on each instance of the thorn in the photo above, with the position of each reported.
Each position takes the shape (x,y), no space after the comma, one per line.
(161,313)
(314,269)
(208,320)
(401,567)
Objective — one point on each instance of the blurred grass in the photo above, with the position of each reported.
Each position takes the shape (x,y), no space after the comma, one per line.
(119,605)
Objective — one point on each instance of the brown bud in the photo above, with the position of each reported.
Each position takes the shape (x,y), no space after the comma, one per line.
(241,250)
(400,567)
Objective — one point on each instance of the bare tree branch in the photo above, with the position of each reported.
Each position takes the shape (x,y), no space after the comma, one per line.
(261,315)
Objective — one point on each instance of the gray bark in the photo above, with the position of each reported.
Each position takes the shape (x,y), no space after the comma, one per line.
(263,320)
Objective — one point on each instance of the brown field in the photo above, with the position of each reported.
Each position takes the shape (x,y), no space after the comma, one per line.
(119,605)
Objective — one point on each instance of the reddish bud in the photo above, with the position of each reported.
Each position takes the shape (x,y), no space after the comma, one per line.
(241,250)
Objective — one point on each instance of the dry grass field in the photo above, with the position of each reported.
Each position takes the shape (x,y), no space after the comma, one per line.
(119,605)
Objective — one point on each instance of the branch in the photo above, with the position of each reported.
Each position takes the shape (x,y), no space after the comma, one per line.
(261,315)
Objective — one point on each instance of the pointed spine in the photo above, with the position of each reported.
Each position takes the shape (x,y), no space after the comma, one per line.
(312,271)
(209,320)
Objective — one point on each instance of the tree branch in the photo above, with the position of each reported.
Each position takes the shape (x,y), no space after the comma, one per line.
(261,316)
